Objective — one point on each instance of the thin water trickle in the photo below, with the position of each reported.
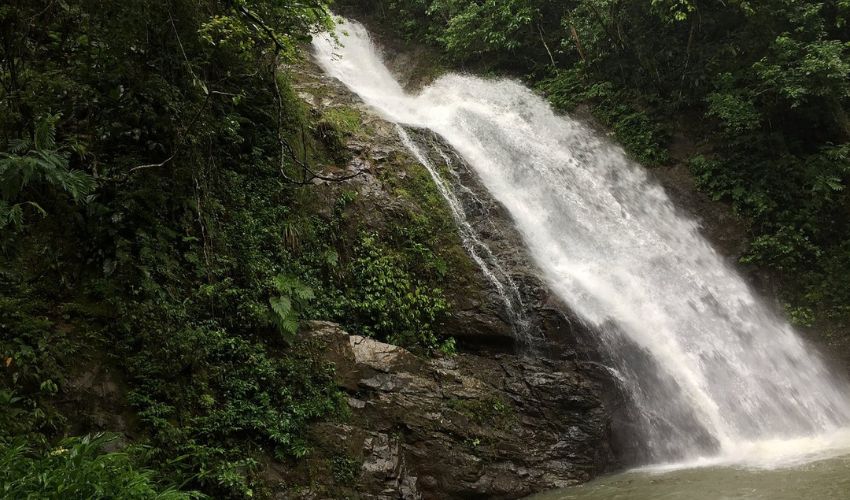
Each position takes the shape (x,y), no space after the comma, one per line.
(477,249)
(712,373)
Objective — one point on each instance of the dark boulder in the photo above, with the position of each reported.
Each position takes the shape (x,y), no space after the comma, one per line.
(465,426)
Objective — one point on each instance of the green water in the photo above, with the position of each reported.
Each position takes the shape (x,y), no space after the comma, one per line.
(824,480)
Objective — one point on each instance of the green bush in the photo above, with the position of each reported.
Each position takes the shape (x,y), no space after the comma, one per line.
(389,302)
(77,468)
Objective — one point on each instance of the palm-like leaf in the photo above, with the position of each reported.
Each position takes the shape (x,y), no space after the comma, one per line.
(282,306)
(45,135)
(37,161)
(287,308)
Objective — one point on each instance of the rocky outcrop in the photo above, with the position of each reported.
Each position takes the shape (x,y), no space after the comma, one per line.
(514,413)
(478,318)
(465,426)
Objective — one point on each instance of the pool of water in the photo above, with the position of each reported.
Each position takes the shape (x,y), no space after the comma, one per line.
(822,480)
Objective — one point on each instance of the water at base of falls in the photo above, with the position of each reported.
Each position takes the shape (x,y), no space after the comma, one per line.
(711,373)
(822,480)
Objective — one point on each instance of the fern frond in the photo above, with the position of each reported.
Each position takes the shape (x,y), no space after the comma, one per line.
(40,160)
(51,159)
(289,326)
(304,293)
(37,207)
(14,216)
(45,134)
(281,283)
(282,306)
(20,145)
(78,184)
(285,317)
(287,308)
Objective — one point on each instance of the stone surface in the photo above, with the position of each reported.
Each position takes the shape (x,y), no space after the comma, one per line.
(508,416)
(466,426)
(478,319)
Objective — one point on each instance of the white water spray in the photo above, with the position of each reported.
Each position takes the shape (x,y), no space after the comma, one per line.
(714,375)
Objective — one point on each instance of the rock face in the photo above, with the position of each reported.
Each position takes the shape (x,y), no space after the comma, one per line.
(478,318)
(465,426)
(548,326)
(514,413)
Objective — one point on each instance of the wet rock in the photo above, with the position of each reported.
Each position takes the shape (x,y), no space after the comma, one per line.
(479,319)
(514,413)
(461,427)
(95,400)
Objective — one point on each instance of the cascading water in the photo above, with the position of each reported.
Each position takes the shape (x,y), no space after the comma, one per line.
(714,376)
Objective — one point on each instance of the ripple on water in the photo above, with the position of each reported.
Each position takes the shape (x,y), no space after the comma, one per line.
(821,480)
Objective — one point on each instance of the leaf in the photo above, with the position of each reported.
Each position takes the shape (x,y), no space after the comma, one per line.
(38,208)
(45,134)
(282,306)
(15,215)
(833,183)
(331,258)
(289,325)
(304,293)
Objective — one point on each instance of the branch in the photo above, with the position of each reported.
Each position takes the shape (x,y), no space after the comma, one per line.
(183,51)
(334,179)
(542,39)
(308,174)
(574,35)
(304,165)
(258,22)
(152,165)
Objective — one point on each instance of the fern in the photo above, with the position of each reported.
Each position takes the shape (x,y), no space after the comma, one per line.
(78,467)
(14,214)
(20,145)
(45,135)
(37,161)
(286,308)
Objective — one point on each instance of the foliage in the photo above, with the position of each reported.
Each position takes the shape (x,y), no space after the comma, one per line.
(288,307)
(33,353)
(244,398)
(32,161)
(343,119)
(474,29)
(146,135)
(389,302)
(345,469)
(77,468)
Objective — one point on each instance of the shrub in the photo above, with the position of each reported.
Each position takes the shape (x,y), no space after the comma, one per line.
(77,468)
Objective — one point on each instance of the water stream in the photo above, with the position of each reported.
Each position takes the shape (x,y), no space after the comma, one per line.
(477,249)
(714,376)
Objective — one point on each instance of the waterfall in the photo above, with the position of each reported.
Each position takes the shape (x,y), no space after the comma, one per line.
(712,374)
